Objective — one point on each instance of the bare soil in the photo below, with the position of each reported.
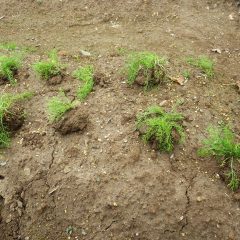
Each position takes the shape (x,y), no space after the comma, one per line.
(104,182)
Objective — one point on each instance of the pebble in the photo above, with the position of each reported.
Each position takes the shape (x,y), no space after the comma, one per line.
(2,163)
(85,53)
(163,103)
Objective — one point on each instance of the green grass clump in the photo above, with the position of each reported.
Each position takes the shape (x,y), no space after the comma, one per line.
(221,144)
(150,64)
(49,68)
(10,46)
(8,67)
(158,126)
(6,101)
(186,74)
(58,106)
(203,63)
(84,74)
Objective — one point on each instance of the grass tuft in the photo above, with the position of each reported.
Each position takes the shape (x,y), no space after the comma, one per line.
(158,126)
(221,144)
(186,74)
(6,101)
(49,68)
(58,106)
(203,63)
(84,74)
(10,46)
(150,64)
(8,67)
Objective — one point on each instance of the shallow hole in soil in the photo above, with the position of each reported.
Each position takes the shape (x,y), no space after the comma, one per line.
(1,178)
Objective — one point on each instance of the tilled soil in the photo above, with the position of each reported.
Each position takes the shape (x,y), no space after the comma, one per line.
(102,181)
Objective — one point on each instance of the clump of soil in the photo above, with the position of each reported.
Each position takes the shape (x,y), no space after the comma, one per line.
(13,119)
(55,80)
(151,76)
(74,120)
(100,79)
(33,140)
(5,80)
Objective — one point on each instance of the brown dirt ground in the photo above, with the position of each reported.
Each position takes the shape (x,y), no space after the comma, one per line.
(104,182)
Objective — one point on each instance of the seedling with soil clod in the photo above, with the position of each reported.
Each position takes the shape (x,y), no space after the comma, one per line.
(161,128)
(222,145)
(48,68)
(9,66)
(146,69)
(204,63)
(58,106)
(11,115)
(84,74)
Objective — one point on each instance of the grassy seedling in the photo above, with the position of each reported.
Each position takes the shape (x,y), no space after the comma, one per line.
(150,65)
(122,51)
(222,145)
(158,126)
(8,67)
(6,102)
(10,46)
(49,68)
(186,74)
(84,74)
(58,106)
(203,63)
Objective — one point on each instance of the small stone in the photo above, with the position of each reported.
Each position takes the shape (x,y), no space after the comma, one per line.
(2,163)
(19,204)
(216,50)
(83,232)
(163,103)
(85,53)
(67,169)
(27,238)
(200,199)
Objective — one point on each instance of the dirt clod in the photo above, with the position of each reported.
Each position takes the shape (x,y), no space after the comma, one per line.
(55,80)
(73,121)
(14,117)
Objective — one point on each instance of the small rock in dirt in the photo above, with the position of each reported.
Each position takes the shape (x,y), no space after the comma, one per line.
(75,120)
(85,53)
(180,80)
(231,16)
(216,50)
(189,118)
(200,199)
(84,232)
(19,204)
(163,103)
(2,163)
